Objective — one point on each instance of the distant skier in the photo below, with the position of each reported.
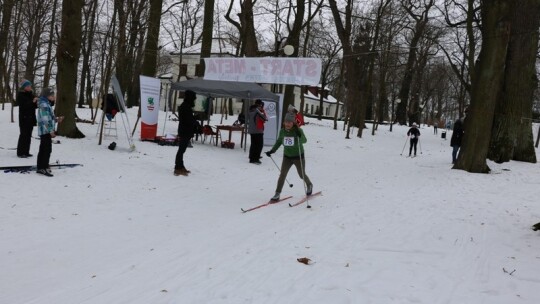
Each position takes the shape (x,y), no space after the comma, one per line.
(292,138)
(414,133)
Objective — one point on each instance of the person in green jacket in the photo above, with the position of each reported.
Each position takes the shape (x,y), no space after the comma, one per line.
(292,138)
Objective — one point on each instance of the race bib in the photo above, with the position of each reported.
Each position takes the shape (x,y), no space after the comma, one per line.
(288,141)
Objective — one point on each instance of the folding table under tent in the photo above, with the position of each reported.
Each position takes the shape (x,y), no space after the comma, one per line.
(231,89)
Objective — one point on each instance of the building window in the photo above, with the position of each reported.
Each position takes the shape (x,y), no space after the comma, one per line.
(311,112)
(183,69)
(306,110)
(198,70)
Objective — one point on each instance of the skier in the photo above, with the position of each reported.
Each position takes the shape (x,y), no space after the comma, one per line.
(292,138)
(46,121)
(414,133)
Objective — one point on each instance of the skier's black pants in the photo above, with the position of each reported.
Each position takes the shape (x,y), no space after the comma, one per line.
(45,149)
(256,147)
(23,145)
(414,142)
(183,143)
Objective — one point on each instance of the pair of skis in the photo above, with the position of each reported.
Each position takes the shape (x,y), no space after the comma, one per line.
(23,169)
(301,201)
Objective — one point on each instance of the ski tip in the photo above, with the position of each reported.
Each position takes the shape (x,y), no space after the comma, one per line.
(290,205)
(243,211)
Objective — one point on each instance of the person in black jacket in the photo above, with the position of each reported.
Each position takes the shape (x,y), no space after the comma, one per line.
(455,141)
(27,117)
(186,129)
(414,133)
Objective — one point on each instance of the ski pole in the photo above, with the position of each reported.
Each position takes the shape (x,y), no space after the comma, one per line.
(406,139)
(279,169)
(420,144)
(303,173)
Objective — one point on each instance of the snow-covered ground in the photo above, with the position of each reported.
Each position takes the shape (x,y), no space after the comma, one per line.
(388,229)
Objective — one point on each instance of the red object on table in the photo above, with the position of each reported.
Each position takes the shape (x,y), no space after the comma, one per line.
(231,129)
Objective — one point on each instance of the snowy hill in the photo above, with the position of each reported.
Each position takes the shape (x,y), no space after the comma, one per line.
(387,229)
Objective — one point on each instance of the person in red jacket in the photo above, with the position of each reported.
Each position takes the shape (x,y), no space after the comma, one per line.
(257,119)
(298,117)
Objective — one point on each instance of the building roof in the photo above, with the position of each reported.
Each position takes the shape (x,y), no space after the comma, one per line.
(330,98)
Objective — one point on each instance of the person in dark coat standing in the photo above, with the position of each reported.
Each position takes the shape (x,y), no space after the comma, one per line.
(414,133)
(27,102)
(257,119)
(186,130)
(455,141)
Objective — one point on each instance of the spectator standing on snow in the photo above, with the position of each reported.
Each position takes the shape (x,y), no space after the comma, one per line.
(27,102)
(435,126)
(257,119)
(46,130)
(186,130)
(414,134)
(455,140)
(299,119)
(292,138)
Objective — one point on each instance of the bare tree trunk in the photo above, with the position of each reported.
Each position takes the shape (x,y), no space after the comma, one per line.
(352,66)
(294,40)
(16,51)
(69,51)
(512,127)
(149,66)
(207,34)
(87,47)
(7,9)
(420,27)
(490,74)
(50,59)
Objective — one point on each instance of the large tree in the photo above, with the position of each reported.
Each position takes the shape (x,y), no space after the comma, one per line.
(68,53)
(512,136)
(489,75)
(5,14)
(350,62)
(149,66)
(419,12)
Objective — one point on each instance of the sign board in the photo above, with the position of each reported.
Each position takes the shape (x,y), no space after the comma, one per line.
(297,71)
(273,125)
(150,93)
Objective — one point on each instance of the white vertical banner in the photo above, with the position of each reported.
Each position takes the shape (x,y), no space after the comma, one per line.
(273,111)
(150,92)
